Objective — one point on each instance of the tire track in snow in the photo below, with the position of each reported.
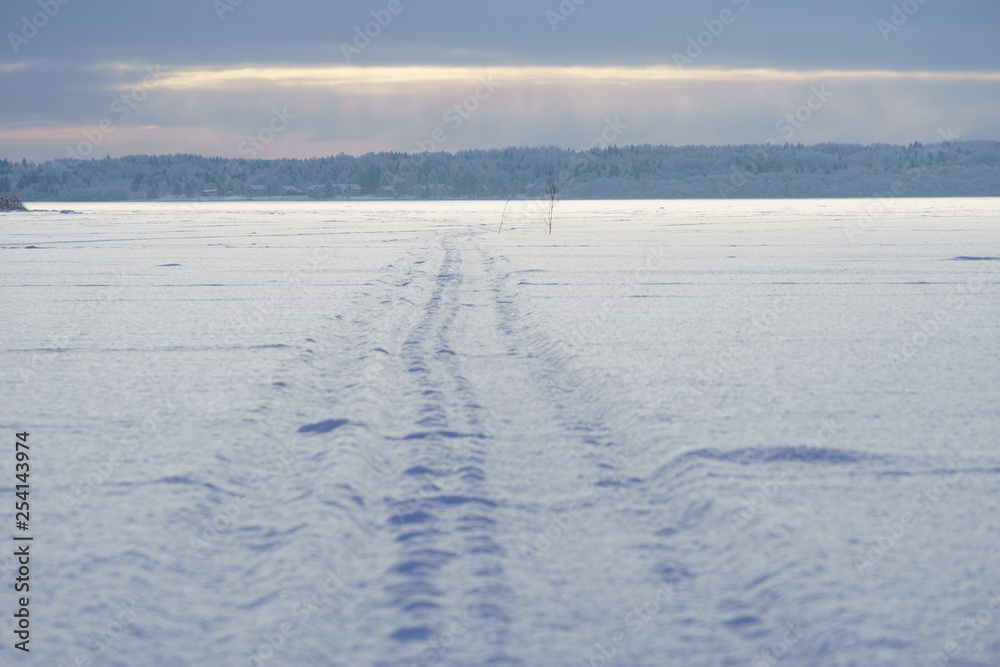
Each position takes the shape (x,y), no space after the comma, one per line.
(496,403)
(413,439)
(471,427)
(578,458)
(449,577)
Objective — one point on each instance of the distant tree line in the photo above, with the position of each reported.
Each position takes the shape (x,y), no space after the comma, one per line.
(964,168)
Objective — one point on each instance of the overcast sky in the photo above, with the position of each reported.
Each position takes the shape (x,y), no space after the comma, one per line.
(301,78)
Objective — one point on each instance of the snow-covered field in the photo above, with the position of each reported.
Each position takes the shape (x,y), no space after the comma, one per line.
(671,433)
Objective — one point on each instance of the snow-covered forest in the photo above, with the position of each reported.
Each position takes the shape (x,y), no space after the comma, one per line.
(966,168)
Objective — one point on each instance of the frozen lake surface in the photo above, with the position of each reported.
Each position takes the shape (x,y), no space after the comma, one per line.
(671,433)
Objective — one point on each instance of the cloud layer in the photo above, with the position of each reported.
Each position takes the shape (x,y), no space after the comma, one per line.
(209,76)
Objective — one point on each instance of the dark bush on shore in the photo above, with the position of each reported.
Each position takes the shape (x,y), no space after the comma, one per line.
(11,202)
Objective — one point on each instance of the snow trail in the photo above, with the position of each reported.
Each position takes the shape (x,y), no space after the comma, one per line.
(383,434)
